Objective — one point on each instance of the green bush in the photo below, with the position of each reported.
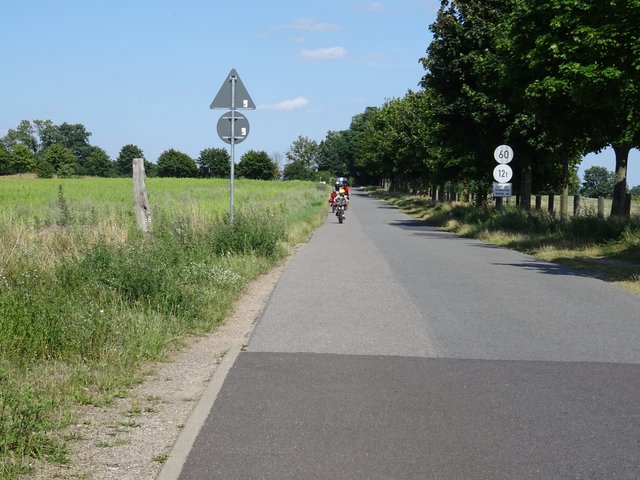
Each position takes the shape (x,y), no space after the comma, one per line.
(591,228)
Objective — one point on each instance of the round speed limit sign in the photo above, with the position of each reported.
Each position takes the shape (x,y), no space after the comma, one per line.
(503,154)
(502,173)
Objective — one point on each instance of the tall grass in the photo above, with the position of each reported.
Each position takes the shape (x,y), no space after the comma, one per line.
(86,298)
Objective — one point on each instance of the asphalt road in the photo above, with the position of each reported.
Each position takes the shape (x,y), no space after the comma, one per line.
(392,350)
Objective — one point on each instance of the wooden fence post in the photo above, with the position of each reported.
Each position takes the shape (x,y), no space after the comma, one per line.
(538,202)
(576,205)
(550,205)
(601,207)
(141,201)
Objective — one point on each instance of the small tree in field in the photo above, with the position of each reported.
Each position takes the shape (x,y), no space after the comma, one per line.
(214,163)
(22,159)
(257,165)
(173,163)
(124,162)
(99,164)
(61,159)
(598,182)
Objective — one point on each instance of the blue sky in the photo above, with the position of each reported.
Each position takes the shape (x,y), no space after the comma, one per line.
(145,72)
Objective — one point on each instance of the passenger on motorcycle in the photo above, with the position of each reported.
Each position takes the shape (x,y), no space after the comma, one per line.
(332,197)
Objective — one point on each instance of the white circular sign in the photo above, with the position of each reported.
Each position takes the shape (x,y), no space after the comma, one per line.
(503,154)
(502,173)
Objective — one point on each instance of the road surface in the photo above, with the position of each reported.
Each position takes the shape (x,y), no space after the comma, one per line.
(392,350)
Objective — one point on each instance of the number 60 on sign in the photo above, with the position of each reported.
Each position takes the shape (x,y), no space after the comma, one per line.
(503,154)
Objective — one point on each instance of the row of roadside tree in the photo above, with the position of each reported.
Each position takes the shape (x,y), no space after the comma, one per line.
(554,79)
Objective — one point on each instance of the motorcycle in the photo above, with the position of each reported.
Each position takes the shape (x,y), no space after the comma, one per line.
(340,213)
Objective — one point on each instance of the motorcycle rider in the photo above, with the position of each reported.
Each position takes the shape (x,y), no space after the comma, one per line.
(345,187)
(342,199)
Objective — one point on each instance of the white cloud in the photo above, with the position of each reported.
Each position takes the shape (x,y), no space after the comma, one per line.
(309,24)
(375,7)
(297,103)
(332,53)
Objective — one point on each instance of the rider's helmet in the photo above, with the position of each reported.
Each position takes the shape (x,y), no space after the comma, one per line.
(341,191)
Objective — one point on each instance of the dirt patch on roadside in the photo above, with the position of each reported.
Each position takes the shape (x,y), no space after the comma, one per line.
(131,439)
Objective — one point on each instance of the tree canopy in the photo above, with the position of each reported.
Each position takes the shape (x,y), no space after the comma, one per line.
(256,165)
(124,162)
(302,159)
(173,163)
(598,182)
(214,163)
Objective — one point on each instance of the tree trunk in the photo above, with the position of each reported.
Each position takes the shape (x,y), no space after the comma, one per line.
(564,199)
(525,179)
(620,187)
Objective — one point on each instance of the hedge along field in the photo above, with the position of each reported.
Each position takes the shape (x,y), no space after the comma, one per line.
(86,298)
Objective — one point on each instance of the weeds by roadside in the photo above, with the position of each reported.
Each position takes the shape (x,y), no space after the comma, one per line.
(83,306)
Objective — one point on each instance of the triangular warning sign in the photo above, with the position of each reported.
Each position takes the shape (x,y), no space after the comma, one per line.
(224,96)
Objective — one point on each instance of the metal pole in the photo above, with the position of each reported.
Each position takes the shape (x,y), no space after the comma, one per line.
(233,142)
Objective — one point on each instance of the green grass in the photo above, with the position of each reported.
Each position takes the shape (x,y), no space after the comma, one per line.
(86,298)
(606,248)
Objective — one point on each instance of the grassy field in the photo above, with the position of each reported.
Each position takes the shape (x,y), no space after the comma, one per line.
(86,298)
(606,248)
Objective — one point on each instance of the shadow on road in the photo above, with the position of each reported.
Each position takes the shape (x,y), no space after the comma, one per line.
(546,268)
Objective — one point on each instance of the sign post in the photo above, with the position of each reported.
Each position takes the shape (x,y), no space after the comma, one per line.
(232,95)
(502,173)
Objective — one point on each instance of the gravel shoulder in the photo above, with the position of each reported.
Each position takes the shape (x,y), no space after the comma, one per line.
(131,438)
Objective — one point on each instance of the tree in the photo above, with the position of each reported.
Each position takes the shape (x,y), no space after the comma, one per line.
(5,163)
(44,169)
(598,182)
(124,162)
(173,163)
(276,158)
(584,56)
(98,164)
(24,134)
(256,165)
(365,169)
(333,153)
(470,120)
(303,159)
(74,137)
(22,159)
(214,163)
(635,191)
(296,171)
(61,159)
